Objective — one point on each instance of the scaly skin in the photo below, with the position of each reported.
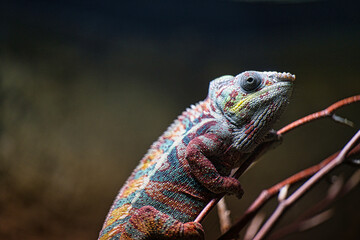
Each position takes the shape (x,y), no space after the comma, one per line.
(191,162)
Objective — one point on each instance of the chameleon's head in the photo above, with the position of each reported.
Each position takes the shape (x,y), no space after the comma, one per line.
(252,100)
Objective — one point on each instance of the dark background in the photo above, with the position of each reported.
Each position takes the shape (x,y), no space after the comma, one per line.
(87,86)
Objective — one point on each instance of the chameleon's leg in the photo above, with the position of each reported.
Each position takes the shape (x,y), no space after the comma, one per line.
(204,170)
(149,223)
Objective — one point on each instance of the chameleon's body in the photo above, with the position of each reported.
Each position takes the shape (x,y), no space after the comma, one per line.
(190,163)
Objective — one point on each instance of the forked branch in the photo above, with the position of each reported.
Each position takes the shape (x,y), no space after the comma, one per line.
(267,194)
(319,212)
(306,186)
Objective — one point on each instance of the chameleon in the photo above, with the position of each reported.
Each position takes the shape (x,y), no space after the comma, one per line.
(191,162)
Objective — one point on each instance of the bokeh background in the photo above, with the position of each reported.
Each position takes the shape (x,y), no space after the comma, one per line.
(87,86)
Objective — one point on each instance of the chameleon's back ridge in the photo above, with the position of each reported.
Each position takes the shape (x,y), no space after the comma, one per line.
(190,162)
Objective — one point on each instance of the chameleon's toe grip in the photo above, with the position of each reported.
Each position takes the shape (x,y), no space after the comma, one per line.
(233,186)
(193,231)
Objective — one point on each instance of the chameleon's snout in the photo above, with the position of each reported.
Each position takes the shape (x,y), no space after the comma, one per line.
(285,76)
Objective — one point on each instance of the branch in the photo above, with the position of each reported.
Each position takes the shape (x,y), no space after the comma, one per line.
(306,220)
(302,225)
(267,194)
(306,186)
(224,216)
(254,226)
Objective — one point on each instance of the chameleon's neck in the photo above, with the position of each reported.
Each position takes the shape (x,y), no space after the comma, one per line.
(216,112)
(247,130)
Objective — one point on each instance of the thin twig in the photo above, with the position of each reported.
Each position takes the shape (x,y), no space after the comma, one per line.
(224,216)
(315,220)
(329,111)
(254,226)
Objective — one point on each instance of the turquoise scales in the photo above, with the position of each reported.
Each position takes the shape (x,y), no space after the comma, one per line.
(191,162)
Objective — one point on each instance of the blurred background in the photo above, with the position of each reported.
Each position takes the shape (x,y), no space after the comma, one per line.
(87,86)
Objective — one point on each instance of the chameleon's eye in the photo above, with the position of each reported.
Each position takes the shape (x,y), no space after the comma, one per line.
(250,83)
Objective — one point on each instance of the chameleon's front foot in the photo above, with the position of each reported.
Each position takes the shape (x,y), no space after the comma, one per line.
(193,231)
(231,185)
